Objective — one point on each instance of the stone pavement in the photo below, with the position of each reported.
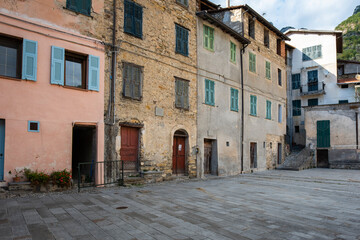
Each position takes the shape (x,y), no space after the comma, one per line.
(310,204)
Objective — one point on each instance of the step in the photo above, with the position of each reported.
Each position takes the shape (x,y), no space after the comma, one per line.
(20,186)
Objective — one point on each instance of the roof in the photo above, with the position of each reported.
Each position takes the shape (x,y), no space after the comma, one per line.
(208,17)
(339,39)
(258,17)
(210,4)
(289,46)
(348,61)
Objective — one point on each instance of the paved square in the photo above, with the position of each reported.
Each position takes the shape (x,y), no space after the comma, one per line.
(310,204)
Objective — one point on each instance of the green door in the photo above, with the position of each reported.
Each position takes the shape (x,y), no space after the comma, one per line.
(323,134)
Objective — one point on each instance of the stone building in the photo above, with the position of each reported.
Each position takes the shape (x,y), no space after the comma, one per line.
(150,98)
(264,91)
(51,86)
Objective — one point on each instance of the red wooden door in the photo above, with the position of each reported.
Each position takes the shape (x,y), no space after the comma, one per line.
(179,155)
(129,147)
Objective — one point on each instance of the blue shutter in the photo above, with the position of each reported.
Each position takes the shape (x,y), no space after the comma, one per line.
(178,39)
(128,17)
(212,92)
(57,65)
(29,61)
(94,73)
(207,91)
(186,42)
(138,13)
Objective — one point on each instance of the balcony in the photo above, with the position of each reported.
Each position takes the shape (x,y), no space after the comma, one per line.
(313,88)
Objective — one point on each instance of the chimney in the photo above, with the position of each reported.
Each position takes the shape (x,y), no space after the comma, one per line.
(228,3)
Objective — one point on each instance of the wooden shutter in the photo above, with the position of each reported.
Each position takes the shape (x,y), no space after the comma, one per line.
(84,6)
(279,113)
(128,16)
(211,38)
(177,93)
(57,65)
(136,77)
(72,5)
(323,133)
(138,13)
(94,73)
(206,36)
(212,92)
(207,91)
(29,61)
(253,105)
(268,109)
(178,38)
(127,80)
(186,94)
(268,71)
(295,79)
(186,42)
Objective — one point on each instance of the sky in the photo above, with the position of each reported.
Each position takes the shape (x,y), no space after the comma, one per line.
(310,14)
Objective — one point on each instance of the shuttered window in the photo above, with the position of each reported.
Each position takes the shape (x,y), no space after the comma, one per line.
(208,38)
(234,99)
(79,6)
(312,52)
(296,104)
(266,38)
(268,69)
(133,17)
(251,27)
(279,113)
(295,81)
(183,2)
(268,109)
(313,80)
(253,103)
(209,92)
(232,52)
(181,93)
(132,81)
(252,62)
(313,102)
(323,133)
(279,77)
(182,40)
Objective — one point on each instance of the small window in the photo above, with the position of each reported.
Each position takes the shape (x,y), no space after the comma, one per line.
(313,102)
(133,17)
(345,86)
(33,126)
(79,6)
(234,99)
(297,129)
(268,69)
(295,81)
(296,104)
(312,52)
(75,70)
(253,103)
(252,62)
(132,81)
(183,2)
(208,38)
(343,101)
(279,77)
(182,40)
(181,93)
(232,52)
(209,92)
(278,46)
(266,38)
(280,113)
(313,80)
(268,110)
(251,27)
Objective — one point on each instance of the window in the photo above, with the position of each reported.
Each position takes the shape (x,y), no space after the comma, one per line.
(208,38)
(312,52)
(266,38)
(297,129)
(252,62)
(343,101)
(313,102)
(18,58)
(268,109)
(278,46)
(182,36)
(313,80)
(183,2)
(280,113)
(251,27)
(232,52)
(133,16)
(234,99)
(279,77)
(253,100)
(74,70)
(79,6)
(209,92)
(295,80)
(181,93)
(132,81)
(268,70)
(296,104)
(33,126)
(345,86)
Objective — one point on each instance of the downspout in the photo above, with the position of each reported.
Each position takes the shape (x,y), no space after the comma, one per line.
(242,107)
(113,69)
(357,130)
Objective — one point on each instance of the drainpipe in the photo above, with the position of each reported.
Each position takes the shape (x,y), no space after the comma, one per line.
(113,69)
(357,130)
(242,107)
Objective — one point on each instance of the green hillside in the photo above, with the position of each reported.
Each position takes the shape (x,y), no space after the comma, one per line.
(351,37)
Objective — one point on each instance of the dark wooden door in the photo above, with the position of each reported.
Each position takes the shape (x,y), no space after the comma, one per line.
(253,155)
(129,147)
(323,133)
(207,157)
(179,155)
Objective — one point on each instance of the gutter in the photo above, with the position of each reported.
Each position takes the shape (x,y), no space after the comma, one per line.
(242,107)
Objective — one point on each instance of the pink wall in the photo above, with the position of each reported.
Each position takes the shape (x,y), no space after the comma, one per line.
(55,107)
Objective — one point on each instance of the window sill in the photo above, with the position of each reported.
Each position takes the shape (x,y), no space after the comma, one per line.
(182,54)
(182,5)
(14,79)
(233,62)
(75,88)
(183,109)
(268,119)
(268,78)
(209,49)
(232,110)
(78,13)
(251,115)
(133,35)
(130,98)
(208,104)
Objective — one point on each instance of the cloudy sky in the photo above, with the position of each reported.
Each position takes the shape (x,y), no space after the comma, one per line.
(311,14)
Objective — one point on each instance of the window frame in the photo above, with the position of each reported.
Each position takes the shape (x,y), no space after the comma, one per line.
(312,53)
(268,110)
(29,126)
(313,102)
(135,7)
(252,62)
(232,52)
(253,105)
(72,8)
(179,48)
(186,95)
(79,58)
(209,35)
(234,98)
(16,43)
(267,70)
(141,80)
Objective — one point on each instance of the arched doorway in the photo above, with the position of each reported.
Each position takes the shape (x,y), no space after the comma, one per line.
(179,152)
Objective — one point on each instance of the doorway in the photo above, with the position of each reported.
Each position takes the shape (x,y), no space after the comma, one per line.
(84,148)
(253,155)
(129,151)
(2,148)
(322,158)
(210,157)
(279,153)
(179,152)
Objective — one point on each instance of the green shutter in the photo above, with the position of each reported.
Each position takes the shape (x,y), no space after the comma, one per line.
(212,93)
(209,92)
(253,100)
(208,38)
(234,99)
(252,62)
(295,79)
(268,109)
(268,70)
(94,73)
(57,65)
(323,133)
(29,61)
(296,107)
(232,52)
(211,38)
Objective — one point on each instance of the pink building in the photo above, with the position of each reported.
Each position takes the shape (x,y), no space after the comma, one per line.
(51,86)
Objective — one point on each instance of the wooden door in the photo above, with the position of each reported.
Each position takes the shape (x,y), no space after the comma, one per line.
(253,155)
(129,147)
(179,155)
(2,148)
(323,133)
(207,156)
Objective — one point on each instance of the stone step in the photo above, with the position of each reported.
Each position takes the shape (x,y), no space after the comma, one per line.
(20,186)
